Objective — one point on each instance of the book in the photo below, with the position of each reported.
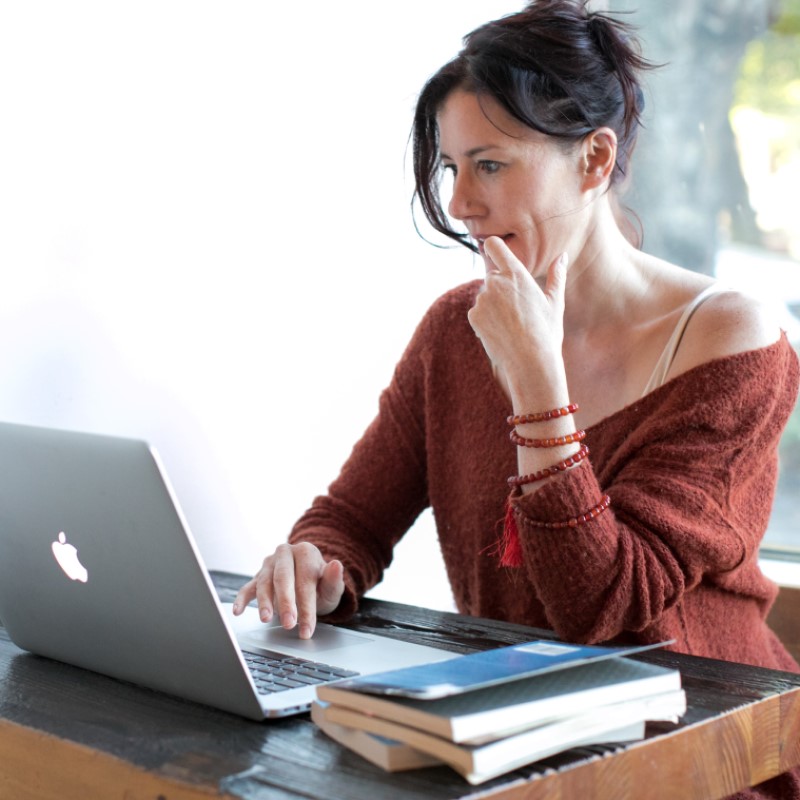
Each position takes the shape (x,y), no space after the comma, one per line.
(478,763)
(389,754)
(502,709)
(487,668)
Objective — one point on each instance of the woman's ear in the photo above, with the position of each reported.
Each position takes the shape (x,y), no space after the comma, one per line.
(599,155)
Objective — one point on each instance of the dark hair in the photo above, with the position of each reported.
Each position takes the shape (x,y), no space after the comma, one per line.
(554,66)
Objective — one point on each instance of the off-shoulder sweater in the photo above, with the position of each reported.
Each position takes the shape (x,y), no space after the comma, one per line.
(690,469)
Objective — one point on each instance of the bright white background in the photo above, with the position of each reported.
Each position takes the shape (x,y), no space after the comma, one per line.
(205,240)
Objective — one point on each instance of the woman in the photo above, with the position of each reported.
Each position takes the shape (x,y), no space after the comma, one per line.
(635,405)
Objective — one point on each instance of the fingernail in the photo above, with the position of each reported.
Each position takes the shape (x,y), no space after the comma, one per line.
(237,607)
(287,620)
(562,260)
(305,631)
(266,616)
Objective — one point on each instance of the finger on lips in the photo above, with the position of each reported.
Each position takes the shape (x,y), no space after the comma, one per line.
(493,248)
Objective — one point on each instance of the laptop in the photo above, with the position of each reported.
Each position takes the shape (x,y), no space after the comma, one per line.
(98,569)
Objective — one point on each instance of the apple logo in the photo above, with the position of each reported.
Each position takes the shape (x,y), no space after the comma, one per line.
(67,557)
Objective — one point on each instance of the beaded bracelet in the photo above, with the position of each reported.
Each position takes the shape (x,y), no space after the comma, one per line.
(520,480)
(575,521)
(510,548)
(556,441)
(542,416)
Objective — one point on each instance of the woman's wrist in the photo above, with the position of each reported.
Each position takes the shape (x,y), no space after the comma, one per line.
(536,380)
(545,436)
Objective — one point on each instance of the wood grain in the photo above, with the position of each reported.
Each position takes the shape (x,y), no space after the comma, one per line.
(67,733)
(37,766)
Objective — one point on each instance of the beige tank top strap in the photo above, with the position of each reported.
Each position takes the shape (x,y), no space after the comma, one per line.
(659,376)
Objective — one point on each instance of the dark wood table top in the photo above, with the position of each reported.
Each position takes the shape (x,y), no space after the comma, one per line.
(67,733)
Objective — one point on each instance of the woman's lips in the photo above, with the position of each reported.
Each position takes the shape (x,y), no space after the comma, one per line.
(481,239)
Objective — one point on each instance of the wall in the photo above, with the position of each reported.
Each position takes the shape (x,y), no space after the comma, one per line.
(205,239)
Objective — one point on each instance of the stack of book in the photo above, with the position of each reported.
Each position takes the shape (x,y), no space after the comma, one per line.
(489,713)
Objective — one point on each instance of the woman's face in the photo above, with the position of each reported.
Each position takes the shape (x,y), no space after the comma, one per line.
(509,180)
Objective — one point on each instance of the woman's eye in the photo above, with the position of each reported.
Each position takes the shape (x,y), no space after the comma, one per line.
(449,168)
(489,167)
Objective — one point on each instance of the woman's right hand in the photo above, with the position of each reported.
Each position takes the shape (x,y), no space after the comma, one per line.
(520,322)
(297,584)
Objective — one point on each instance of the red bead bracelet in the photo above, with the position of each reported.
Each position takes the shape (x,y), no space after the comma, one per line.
(533,477)
(542,416)
(557,441)
(593,512)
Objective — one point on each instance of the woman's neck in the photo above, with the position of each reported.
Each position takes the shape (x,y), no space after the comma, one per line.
(605,278)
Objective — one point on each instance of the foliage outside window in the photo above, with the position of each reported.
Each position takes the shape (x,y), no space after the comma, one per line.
(766,120)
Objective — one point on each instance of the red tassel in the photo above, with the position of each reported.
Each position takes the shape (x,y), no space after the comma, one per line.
(510,547)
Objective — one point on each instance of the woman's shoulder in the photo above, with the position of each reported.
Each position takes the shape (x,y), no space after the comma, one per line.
(453,304)
(734,363)
(458,296)
(726,323)
(445,323)
(728,395)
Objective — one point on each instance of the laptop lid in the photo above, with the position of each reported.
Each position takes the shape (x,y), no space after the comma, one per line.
(98,569)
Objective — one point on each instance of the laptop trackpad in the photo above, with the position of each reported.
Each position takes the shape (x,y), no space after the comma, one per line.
(325,638)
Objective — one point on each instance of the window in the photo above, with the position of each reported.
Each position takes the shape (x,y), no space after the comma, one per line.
(766,120)
(718,166)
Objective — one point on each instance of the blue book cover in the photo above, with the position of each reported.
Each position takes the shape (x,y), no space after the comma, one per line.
(488,668)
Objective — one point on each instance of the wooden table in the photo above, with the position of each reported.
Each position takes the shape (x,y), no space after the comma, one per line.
(70,734)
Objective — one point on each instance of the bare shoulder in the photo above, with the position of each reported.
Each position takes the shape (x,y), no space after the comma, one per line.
(726,323)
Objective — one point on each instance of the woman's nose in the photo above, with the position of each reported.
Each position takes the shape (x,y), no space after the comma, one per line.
(463,201)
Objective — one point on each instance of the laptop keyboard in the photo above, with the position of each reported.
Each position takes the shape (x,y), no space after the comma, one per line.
(277,672)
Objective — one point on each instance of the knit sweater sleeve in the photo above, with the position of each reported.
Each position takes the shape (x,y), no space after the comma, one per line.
(381,488)
(690,470)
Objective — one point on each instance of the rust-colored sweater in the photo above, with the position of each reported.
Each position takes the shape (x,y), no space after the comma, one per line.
(690,469)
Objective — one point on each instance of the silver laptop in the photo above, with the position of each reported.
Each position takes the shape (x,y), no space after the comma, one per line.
(98,569)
